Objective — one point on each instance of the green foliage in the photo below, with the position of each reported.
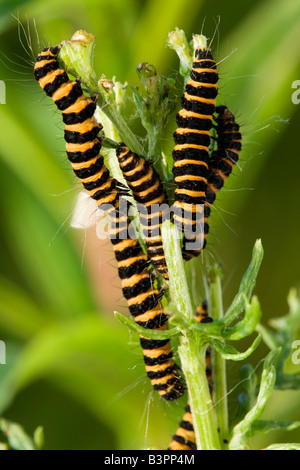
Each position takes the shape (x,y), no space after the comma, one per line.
(282,336)
(17,439)
(45,292)
(244,428)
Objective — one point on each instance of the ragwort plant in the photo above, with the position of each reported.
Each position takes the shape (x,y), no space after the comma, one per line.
(154,101)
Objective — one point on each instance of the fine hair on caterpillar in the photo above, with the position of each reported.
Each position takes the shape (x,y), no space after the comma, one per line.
(20,63)
(83,148)
(26,35)
(211,150)
(139,258)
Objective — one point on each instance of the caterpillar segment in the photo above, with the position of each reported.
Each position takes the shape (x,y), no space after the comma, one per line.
(191,152)
(225,157)
(81,128)
(184,439)
(148,192)
(83,149)
(145,306)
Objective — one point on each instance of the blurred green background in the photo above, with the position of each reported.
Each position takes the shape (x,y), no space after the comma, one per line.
(70,367)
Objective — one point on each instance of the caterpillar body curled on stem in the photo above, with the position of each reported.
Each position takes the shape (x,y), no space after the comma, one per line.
(81,128)
(185,438)
(145,306)
(191,151)
(225,157)
(83,146)
(147,190)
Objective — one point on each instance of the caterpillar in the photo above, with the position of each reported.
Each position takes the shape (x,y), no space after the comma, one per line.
(83,146)
(227,154)
(81,128)
(224,158)
(148,191)
(191,151)
(185,439)
(201,314)
(220,166)
(145,306)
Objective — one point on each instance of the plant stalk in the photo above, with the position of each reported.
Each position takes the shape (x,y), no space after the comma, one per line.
(77,57)
(154,151)
(191,348)
(179,289)
(218,362)
(192,355)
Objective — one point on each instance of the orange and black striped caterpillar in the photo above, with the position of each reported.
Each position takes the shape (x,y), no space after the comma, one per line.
(222,160)
(226,156)
(191,152)
(83,149)
(148,192)
(81,131)
(185,439)
(145,306)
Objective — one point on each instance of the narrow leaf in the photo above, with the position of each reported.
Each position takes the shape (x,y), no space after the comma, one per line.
(289,446)
(246,326)
(247,284)
(230,353)
(16,436)
(152,334)
(265,426)
(242,429)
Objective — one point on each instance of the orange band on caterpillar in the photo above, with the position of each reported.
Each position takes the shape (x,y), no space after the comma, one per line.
(191,151)
(147,190)
(83,149)
(185,438)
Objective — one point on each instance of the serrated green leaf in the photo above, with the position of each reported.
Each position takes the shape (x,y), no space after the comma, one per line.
(246,326)
(246,286)
(16,436)
(289,446)
(284,328)
(266,426)
(282,335)
(241,431)
(153,334)
(228,352)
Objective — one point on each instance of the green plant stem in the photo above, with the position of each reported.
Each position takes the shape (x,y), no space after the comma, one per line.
(179,289)
(191,348)
(153,334)
(121,125)
(219,363)
(247,284)
(154,151)
(192,355)
(76,57)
